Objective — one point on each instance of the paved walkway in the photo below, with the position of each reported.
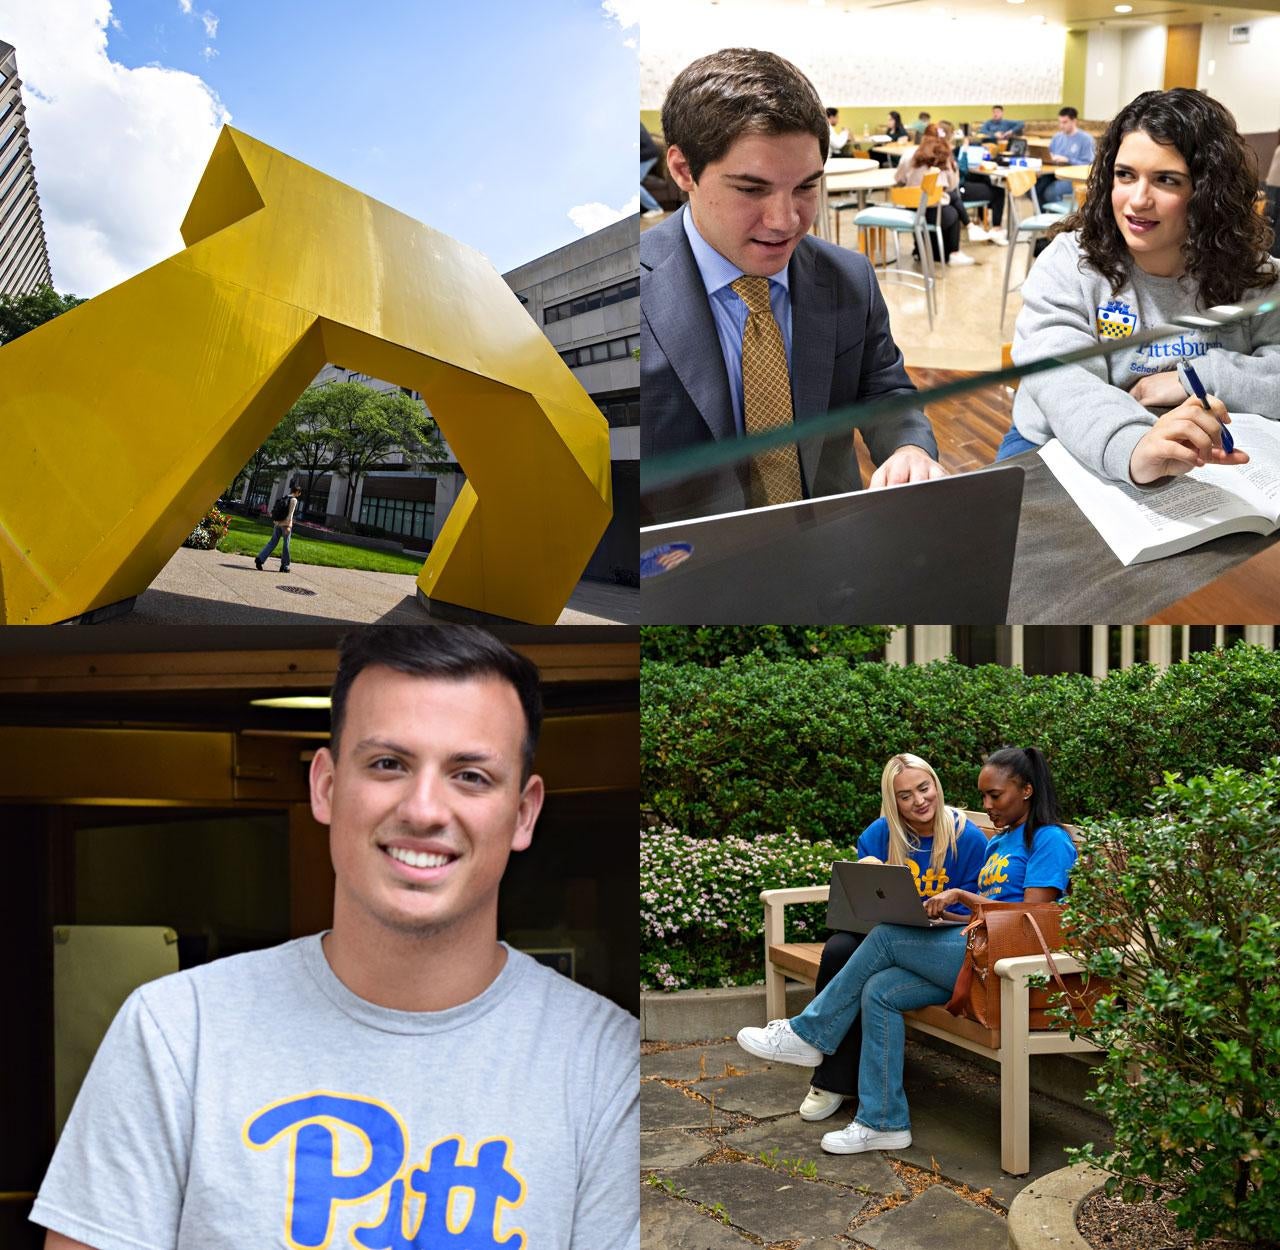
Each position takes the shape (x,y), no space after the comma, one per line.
(710,1112)
(210,588)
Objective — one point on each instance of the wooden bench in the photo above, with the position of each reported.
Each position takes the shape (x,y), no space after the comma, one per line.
(1011,1046)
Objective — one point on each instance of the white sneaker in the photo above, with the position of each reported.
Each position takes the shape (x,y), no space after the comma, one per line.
(778,1041)
(819,1104)
(858,1137)
(959,258)
(977,234)
(999,238)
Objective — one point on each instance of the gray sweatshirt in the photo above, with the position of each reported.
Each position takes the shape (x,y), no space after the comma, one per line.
(1068,305)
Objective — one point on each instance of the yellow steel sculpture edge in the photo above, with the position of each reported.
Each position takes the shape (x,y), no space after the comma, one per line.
(124,418)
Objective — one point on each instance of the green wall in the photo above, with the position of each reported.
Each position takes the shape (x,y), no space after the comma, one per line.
(1074,67)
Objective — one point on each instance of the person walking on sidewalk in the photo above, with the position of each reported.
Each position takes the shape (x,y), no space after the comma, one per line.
(282,528)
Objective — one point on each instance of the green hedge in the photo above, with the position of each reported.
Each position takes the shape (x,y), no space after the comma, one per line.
(711,645)
(758,746)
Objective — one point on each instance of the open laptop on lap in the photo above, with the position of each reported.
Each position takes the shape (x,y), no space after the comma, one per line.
(864,895)
(910,555)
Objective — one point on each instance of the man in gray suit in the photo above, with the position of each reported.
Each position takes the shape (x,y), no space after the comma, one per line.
(747,137)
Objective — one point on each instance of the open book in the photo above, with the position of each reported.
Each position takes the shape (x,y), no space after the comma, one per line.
(1143,525)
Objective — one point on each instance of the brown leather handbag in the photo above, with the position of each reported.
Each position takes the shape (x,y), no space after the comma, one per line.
(1002,930)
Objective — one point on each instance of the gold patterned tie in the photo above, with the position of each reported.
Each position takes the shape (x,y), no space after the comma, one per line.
(766,396)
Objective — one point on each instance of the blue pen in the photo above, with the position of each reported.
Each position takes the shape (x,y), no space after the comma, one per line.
(1228,443)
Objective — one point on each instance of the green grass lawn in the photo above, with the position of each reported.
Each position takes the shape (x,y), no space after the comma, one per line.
(247,537)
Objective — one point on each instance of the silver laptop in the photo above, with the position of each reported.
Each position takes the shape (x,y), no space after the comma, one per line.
(904,555)
(863,895)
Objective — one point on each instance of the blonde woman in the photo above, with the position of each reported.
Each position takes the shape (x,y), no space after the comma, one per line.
(943,851)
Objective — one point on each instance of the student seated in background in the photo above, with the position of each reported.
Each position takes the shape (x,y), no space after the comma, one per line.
(946,132)
(747,323)
(839,134)
(894,127)
(934,154)
(998,126)
(1168,228)
(919,126)
(1070,146)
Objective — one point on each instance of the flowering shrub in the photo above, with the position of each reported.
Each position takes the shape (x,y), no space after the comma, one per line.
(701,919)
(210,530)
(1191,1075)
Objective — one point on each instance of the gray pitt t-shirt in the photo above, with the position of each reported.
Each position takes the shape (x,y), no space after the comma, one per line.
(257,1102)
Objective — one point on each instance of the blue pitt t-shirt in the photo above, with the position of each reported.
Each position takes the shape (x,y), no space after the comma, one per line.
(959,869)
(1011,869)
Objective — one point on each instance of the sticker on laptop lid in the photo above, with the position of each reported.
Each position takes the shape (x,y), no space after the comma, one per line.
(663,559)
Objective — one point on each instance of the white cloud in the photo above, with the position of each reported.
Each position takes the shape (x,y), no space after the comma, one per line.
(208,52)
(595,216)
(625,12)
(210,25)
(117,151)
(185,5)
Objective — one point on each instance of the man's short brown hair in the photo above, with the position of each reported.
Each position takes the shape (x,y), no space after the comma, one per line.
(738,91)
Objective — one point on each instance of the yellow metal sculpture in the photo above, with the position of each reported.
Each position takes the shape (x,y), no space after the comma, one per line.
(122,420)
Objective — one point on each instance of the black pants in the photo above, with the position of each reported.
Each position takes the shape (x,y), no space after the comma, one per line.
(950,229)
(838,1073)
(981,187)
(956,200)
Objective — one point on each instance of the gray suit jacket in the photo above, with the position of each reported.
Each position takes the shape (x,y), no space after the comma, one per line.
(842,353)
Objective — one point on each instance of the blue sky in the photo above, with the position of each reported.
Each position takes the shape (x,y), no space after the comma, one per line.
(508,125)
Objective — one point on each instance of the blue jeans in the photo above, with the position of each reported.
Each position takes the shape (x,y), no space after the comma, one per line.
(1013,443)
(897,968)
(277,532)
(647,202)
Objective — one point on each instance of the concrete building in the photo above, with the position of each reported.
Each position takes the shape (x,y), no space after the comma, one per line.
(24,258)
(585,297)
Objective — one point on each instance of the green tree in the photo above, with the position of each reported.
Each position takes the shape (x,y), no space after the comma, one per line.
(277,452)
(710,645)
(314,446)
(1191,1033)
(20,313)
(368,426)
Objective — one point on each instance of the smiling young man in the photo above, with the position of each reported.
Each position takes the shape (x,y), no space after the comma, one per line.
(404,1081)
(748,323)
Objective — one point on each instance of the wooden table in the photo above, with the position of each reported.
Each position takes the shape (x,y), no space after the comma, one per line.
(1248,593)
(898,148)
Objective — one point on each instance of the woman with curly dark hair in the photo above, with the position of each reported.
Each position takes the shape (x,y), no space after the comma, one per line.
(1168,228)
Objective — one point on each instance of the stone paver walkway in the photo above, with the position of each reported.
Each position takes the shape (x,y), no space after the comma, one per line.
(727,1162)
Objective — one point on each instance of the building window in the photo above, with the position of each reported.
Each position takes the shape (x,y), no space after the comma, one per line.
(615,294)
(405,518)
(620,411)
(594,353)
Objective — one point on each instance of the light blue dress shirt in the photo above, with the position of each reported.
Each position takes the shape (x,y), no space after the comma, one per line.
(729,309)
